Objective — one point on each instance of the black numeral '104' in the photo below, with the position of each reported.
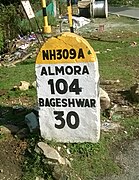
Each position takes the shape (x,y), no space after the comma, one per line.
(61,86)
(68,120)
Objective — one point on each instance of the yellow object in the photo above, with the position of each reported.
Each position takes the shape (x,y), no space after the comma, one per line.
(43,3)
(66,48)
(45,21)
(70,15)
(46,28)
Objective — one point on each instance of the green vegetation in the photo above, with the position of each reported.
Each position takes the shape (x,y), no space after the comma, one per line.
(13,22)
(1,39)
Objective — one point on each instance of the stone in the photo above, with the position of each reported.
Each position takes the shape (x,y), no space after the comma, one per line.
(1,170)
(34,84)
(108,126)
(24,85)
(19,109)
(4,130)
(39,178)
(58,148)
(135,92)
(68,151)
(133,44)
(104,100)
(109,82)
(32,122)
(51,153)
(78,97)
(13,129)
(60,173)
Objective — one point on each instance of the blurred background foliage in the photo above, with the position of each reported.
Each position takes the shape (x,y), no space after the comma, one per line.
(13,20)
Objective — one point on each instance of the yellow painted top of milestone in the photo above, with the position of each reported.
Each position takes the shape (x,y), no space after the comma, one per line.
(66,48)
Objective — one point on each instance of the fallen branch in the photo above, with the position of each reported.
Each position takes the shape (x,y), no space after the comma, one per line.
(23,59)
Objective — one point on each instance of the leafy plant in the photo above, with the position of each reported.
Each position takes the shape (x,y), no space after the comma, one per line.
(1,39)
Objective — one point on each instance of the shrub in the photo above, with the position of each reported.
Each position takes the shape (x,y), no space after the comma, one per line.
(9,21)
(1,39)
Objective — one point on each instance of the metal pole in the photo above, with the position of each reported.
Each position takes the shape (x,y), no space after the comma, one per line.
(47,29)
(70,15)
(39,29)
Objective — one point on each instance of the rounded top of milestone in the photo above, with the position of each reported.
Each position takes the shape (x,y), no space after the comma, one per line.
(66,48)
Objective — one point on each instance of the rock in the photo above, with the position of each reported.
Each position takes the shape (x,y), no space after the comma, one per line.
(14,88)
(68,151)
(133,44)
(109,82)
(58,148)
(14,129)
(32,122)
(19,109)
(1,170)
(60,173)
(24,85)
(57,173)
(51,153)
(34,84)
(135,92)
(39,178)
(22,133)
(104,99)
(4,130)
(107,126)
(68,162)
(118,108)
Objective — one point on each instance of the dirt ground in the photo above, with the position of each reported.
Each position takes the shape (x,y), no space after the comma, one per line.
(11,158)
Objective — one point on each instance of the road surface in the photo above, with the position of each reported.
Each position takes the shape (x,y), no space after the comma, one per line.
(125,11)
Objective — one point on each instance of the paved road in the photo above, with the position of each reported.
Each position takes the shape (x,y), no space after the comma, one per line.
(129,160)
(125,11)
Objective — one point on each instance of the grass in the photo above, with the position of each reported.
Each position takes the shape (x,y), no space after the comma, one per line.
(22,72)
(117,60)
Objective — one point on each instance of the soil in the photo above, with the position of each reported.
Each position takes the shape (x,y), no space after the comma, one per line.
(11,158)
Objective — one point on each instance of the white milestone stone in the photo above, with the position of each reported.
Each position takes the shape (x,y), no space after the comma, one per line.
(68,90)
